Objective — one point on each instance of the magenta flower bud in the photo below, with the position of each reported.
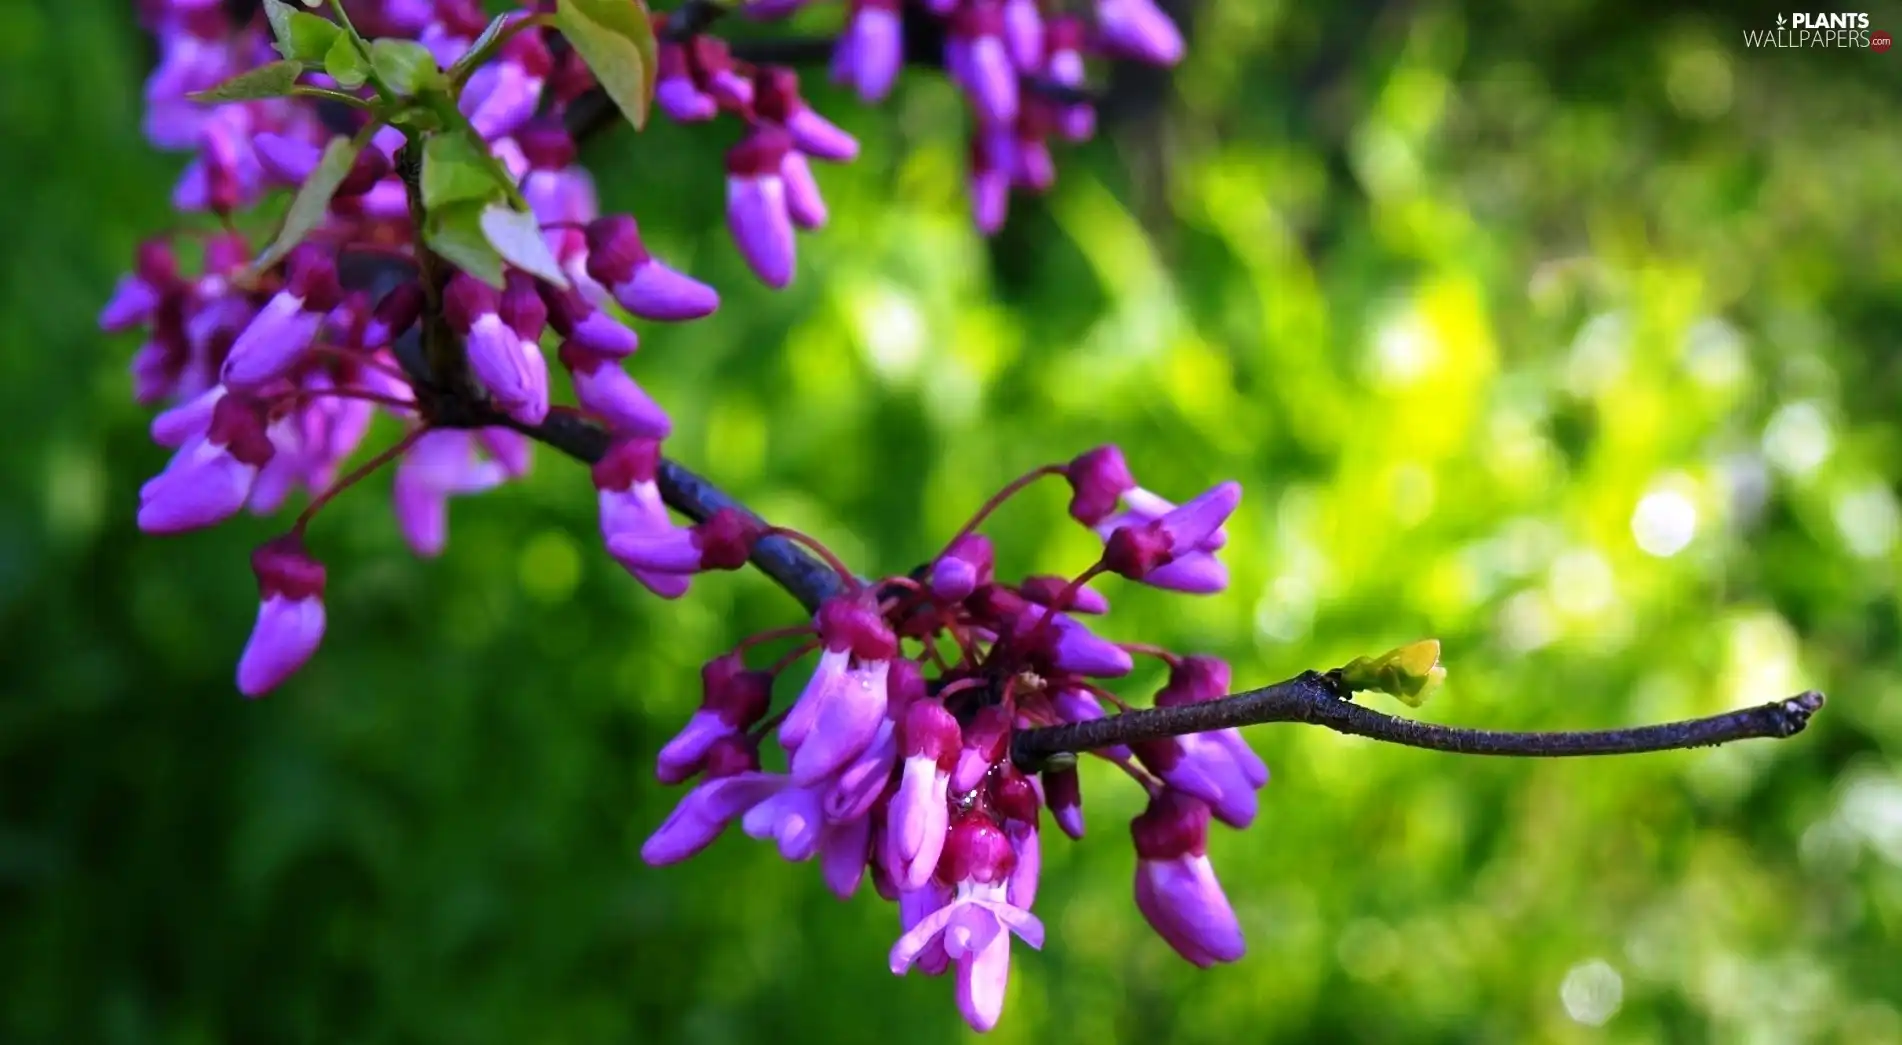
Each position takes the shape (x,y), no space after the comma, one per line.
(604,390)
(1200,767)
(756,208)
(188,420)
(723,542)
(366,171)
(842,709)
(854,623)
(1072,647)
(394,315)
(630,503)
(1043,589)
(977,851)
(804,204)
(842,852)
(500,333)
(975,56)
(1176,888)
(712,64)
(619,261)
(137,298)
(865,780)
(985,743)
(512,450)
(440,465)
(904,685)
(1138,29)
(290,616)
(1195,679)
(871,50)
(578,319)
(964,566)
(733,700)
(1136,551)
(675,92)
(1080,705)
(210,477)
(776,98)
(275,341)
(1023,34)
(1098,479)
(1063,790)
(1014,796)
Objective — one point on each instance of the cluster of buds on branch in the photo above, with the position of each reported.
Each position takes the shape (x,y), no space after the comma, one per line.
(441,240)
(899,749)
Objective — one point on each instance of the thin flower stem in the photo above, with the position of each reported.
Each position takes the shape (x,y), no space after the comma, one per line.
(305,395)
(1058,605)
(1145,649)
(364,359)
(357,474)
(760,638)
(792,657)
(1010,490)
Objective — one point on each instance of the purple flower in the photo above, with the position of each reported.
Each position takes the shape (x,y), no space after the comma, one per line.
(630,504)
(1080,705)
(838,713)
(588,327)
(503,95)
(1138,29)
(776,97)
(1023,33)
(919,816)
(962,568)
(604,390)
(871,49)
(975,926)
(619,261)
(733,699)
(442,464)
(1200,767)
(722,542)
(1176,888)
(137,298)
(502,335)
(210,476)
(804,204)
(989,179)
(675,91)
(733,785)
(394,315)
(756,209)
(977,60)
(1167,546)
(1063,792)
(1195,679)
(275,341)
(290,615)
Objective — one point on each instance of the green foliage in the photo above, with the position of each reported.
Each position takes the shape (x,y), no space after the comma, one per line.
(405,66)
(299,34)
(616,39)
(273,80)
(517,237)
(456,232)
(346,63)
(312,200)
(1481,304)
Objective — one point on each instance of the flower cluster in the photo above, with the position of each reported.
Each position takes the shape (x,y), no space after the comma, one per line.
(897,750)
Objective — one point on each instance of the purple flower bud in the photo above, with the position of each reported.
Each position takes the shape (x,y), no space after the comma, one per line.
(733,700)
(989,181)
(1044,589)
(588,327)
(1021,890)
(275,341)
(985,743)
(842,850)
(804,204)
(976,59)
(138,296)
(1176,889)
(871,50)
(210,477)
(1023,34)
(1098,479)
(604,389)
(919,814)
(842,709)
(964,566)
(793,816)
(502,95)
(440,465)
(1138,29)
(859,787)
(675,91)
(289,160)
(290,615)
(630,503)
(733,786)
(500,333)
(646,287)
(1063,790)
(712,64)
(1200,767)
(776,98)
(395,314)
(723,542)
(756,208)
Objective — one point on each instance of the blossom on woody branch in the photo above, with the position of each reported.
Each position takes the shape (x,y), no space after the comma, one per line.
(897,752)
(273,361)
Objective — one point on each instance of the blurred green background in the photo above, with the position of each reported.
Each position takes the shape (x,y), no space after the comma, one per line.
(1570,334)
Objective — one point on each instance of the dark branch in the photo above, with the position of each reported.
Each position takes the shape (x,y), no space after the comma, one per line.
(685,491)
(1320,699)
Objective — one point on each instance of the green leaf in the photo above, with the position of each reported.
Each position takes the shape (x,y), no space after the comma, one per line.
(266,81)
(312,200)
(456,169)
(298,34)
(345,63)
(616,39)
(517,236)
(477,52)
(455,232)
(405,65)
